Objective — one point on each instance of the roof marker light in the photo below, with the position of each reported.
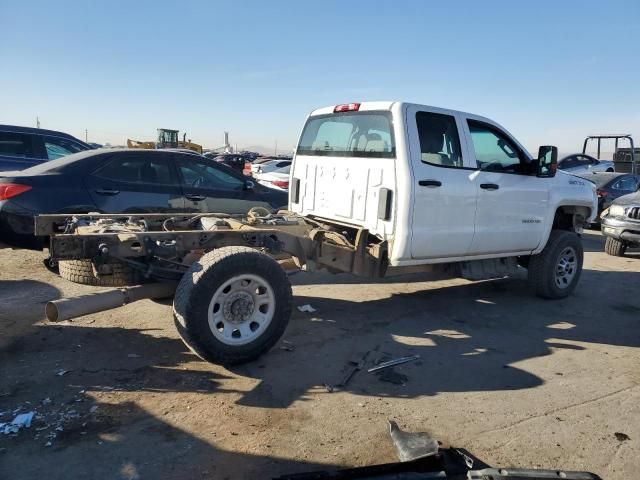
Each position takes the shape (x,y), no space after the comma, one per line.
(347,107)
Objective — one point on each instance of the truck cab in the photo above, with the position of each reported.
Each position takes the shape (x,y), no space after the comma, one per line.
(438,185)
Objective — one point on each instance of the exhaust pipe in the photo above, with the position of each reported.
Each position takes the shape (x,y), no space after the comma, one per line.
(68,308)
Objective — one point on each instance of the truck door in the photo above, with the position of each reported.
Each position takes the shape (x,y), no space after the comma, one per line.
(444,191)
(512,201)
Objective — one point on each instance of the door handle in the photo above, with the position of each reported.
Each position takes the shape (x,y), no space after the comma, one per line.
(107,191)
(430,183)
(195,198)
(489,186)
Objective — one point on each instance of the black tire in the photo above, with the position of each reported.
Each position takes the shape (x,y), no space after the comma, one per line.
(198,287)
(615,247)
(542,267)
(116,274)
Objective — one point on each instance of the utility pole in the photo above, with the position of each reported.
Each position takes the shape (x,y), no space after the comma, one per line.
(275,152)
(37,122)
(86,136)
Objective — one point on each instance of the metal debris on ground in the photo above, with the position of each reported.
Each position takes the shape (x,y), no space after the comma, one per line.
(20,421)
(62,372)
(354,366)
(306,308)
(287,346)
(395,361)
(317,319)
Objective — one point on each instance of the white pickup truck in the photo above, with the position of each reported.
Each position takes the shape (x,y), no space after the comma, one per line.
(441,186)
(376,189)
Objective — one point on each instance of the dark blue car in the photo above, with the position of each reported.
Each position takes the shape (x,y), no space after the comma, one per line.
(124,181)
(24,147)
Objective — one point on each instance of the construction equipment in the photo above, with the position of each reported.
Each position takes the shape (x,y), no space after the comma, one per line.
(167,138)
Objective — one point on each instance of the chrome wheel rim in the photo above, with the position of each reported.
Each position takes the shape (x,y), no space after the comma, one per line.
(566,268)
(241,309)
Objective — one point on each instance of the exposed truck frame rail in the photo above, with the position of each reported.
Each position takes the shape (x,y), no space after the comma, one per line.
(154,241)
(232,296)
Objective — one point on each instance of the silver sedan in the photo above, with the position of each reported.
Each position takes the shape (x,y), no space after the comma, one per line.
(581,163)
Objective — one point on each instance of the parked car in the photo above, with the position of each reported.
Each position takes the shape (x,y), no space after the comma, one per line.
(611,186)
(621,224)
(581,163)
(116,181)
(269,166)
(24,147)
(278,179)
(231,160)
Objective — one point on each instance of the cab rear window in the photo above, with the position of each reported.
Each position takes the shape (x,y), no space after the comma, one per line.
(349,135)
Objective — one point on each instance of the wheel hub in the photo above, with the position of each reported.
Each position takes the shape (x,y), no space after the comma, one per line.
(241,309)
(238,307)
(566,267)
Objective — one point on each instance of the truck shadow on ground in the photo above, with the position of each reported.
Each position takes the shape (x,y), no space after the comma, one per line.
(124,441)
(470,338)
(59,371)
(21,305)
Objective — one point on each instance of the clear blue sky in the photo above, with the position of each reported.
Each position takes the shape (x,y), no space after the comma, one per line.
(549,71)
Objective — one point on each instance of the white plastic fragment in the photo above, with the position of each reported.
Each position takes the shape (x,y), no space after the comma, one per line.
(20,421)
(306,308)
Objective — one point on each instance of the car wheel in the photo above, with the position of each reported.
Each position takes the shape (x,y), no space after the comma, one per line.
(615,247)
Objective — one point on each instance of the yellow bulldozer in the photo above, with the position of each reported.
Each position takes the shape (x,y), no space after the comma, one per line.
(166,139)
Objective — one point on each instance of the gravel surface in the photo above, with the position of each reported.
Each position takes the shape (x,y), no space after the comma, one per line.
(516,380)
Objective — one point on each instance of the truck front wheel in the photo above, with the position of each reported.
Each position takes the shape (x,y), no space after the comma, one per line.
(232,305)
(555,272)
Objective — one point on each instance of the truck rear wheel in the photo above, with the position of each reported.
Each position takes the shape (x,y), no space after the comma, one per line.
(232,305)
(615,247)
(555,272)
(116,274)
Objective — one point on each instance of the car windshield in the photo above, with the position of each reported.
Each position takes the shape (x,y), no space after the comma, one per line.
(349,135)
(286,170)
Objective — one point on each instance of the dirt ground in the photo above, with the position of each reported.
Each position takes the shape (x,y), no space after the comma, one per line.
(514,379)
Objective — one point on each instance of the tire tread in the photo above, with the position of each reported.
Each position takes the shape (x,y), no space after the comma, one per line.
(81,271)
(541,265)
(229,261)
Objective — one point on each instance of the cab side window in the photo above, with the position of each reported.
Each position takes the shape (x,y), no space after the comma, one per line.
(152,169)
(195,173)
(439,140)
(569,162)
(494,151)
(57,147)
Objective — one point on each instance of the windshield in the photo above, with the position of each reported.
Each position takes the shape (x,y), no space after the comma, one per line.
(349,135)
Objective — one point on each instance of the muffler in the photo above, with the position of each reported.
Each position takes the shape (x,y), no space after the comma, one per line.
(68,308)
